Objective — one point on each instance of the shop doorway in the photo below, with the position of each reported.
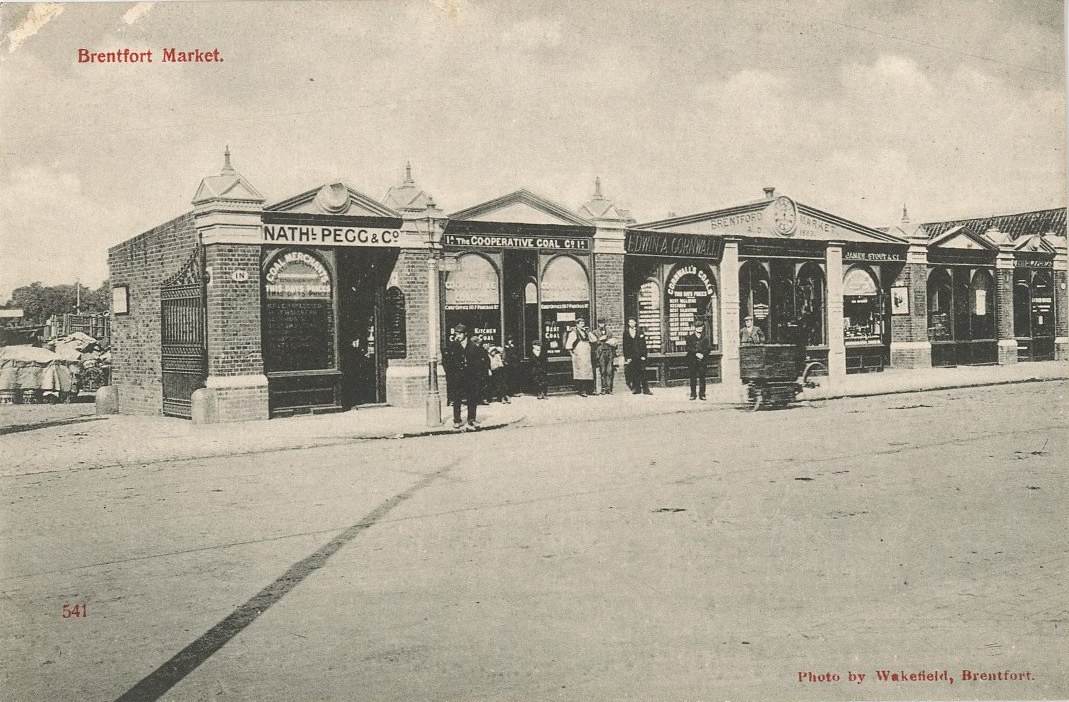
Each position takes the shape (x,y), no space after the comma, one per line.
(520,274)
(362,276)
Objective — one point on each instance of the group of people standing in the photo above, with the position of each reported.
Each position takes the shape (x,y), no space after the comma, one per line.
(476,374)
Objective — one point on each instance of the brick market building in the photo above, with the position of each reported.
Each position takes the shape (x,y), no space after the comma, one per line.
(329,299)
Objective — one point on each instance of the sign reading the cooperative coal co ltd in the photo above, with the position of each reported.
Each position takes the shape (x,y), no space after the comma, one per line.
(311,235)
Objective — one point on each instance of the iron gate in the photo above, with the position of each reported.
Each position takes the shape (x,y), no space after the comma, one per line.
(184,353)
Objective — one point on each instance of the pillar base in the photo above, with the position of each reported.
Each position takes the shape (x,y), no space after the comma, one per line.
(1061,348)
(911,354)
(237,398)
(1007,352)
(406,386)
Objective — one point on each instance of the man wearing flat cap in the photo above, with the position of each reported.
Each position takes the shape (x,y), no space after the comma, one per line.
(465,369)
(751,334)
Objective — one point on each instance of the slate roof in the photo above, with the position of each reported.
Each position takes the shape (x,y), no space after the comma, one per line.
(1023,224)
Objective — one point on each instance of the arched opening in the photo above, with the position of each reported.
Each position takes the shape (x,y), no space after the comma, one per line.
(862,306)
(940,305)
(565,298)
(473,297)
(754,294)
(650,318)
(982,307)
(809,295)
(691,297)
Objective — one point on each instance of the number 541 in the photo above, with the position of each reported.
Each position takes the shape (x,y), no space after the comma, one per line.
(75,611)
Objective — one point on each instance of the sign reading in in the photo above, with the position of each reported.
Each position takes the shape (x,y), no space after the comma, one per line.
(308,235)
(1033,262)
(673,245)
(495,241)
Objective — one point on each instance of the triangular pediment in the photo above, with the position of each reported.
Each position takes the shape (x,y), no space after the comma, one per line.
(960,238)
(336,199)
(520,207)
(777,219)
(1036,244)
(226,188)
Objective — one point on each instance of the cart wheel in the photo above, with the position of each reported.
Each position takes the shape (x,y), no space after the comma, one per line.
(813,383)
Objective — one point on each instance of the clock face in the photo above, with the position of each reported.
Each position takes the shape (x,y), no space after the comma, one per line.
(784,216)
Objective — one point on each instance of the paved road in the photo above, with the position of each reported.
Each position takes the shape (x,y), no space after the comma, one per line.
(705,557)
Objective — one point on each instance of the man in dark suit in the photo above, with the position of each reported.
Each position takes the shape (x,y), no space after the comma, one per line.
(635,353)
(698,348)
(466,368)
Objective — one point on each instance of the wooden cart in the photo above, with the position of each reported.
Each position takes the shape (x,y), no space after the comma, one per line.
(775,374)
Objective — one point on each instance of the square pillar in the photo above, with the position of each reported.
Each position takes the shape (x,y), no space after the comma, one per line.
(1061,308)
(236,387)
(836,341)
(910,347)
(730,373)
(1007,343)
(407,379)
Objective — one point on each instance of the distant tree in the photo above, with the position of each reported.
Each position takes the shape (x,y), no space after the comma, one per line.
(40,302)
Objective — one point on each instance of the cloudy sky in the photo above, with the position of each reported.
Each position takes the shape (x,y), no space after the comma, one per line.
(956,108)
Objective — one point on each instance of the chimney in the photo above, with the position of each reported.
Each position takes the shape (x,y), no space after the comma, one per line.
(770,192)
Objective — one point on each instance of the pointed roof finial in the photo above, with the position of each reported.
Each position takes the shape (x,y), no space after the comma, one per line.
(227,168)
(408,173)
(905,215)
(597,188)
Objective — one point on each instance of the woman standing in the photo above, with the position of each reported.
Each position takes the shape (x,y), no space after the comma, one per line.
(578,344)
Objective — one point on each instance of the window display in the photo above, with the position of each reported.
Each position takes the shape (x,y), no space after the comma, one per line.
(472,298)
(565,298)
(649,313)
(691,298)
(298,314)
(862,308)
(940,305)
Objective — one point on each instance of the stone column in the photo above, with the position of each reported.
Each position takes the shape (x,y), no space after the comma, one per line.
(910,347)
(1061,308)
(406,378)
(729,318)
(836,341)
(1007,344)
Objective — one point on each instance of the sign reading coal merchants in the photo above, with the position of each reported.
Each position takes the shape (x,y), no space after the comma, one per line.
(494,241)
(296,275)
(309,235)
(652,244)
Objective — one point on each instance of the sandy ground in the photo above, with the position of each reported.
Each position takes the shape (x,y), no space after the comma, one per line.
(707,556)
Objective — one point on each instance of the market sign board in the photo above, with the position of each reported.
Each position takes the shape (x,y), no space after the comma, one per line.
(496,241)
(313,235)
(681,245)
(873,256)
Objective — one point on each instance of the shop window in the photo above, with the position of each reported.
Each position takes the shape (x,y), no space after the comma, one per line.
(565,298)
(982,304)
(940,305)
(298,322)
(1042,305)
(1022,304)
(754,295)
(472,297)
(862,307)
(394,323)
(809,303)
(690,297)
(649,314)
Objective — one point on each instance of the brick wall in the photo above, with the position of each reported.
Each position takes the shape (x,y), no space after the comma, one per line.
(233,310)
(1061,312)
(909,333)
(609,291)
(142,264)
(406,378)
